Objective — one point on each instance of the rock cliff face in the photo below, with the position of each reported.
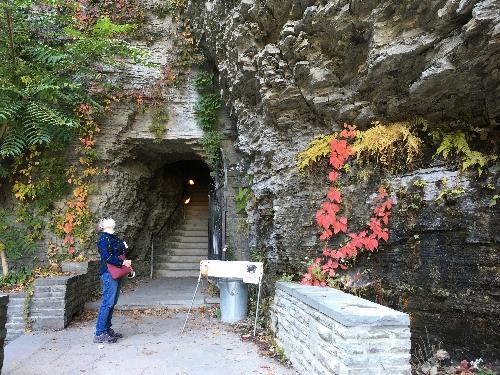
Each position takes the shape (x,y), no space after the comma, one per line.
(144,183)
(290,70)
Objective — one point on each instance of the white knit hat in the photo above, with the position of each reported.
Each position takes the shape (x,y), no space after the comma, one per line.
(107,225)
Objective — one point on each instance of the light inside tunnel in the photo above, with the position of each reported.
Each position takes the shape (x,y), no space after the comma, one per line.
(187,200)
(190,182)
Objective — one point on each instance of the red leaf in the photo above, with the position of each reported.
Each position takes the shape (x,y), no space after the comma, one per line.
(334,195)
(331,208)
(67,228)
(333,175)
(371,243)
(388,204)
(340,225)
(325,235)
(382,191)
(68,240)
(336,162)
(323,219)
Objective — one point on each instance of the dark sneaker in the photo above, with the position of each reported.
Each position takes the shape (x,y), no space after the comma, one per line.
(104,338)
(114,334)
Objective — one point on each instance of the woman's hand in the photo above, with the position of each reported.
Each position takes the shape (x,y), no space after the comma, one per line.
(127,263)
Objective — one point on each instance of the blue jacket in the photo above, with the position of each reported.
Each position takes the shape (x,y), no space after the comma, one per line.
(110,248)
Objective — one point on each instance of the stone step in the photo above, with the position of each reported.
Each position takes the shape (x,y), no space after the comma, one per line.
(45,311)
(16,302)
(15,320)
(47,302)
(43,294)
(194,218)
(178,266)
(194,224)
(176,258)
(177,273)
(186,245)
(181,252)
(188,228)
(195,213)
(191,233)
(189,239)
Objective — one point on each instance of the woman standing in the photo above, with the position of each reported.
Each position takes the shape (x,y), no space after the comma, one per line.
(111,249)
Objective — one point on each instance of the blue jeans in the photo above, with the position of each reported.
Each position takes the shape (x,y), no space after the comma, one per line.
(110,292)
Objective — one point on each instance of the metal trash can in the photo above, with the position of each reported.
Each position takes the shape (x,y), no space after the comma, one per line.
(233,299)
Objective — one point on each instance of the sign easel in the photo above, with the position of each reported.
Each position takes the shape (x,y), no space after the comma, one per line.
(249,272)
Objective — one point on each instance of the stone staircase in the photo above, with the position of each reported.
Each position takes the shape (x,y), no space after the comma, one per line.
(181,255)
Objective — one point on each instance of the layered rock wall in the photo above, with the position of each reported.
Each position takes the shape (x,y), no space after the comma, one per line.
(290,70)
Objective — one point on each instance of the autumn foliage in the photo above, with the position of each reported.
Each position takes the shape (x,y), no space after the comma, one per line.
(333,223)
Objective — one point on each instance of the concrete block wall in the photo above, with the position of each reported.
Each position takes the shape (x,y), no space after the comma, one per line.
(4,300)
(326,331)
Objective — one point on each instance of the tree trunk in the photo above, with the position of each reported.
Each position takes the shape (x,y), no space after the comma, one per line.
(3,257)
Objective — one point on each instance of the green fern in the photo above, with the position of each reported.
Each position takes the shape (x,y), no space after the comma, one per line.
(47,55)
(47,67)
(455,143)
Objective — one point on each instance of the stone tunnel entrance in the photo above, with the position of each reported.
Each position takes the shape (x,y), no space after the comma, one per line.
(160,202)
(182,241)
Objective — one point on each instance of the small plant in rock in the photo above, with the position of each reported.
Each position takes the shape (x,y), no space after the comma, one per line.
(394,146)
(449,195)
(159,121)
(203,80)
(241,199)
(286,277)
(456,144)
(493,200)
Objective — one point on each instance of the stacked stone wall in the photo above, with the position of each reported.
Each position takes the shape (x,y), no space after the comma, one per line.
(55,300)
(4,301)
(326,331)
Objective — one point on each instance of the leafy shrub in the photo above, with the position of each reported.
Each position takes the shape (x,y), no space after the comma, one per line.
(18,277)
(42,79)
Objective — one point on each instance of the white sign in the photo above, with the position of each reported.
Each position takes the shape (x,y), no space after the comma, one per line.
(250,272)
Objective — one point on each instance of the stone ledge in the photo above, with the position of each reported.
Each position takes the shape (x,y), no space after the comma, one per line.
(344,308)
(327,332)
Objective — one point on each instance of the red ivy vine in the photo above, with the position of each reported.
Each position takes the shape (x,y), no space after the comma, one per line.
(332,223)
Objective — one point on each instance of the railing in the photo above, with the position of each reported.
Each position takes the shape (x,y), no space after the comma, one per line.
(217,212)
